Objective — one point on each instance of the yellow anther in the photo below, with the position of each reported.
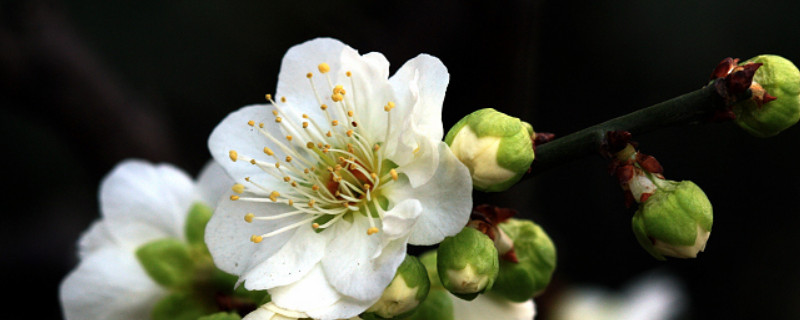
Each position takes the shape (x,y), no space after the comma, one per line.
(390,104)
(323,107)
(289,138)
(329,134)
(367,186)
(349,133)
(274,196)
(315,225)
(338,89)
(373,175)
(306,170)
(274,112)
(252,161)
(233,155)
(416,150)
(256,239)
(330,169)
(350,113)
(337,167)
(249,217)
(319,145)
(288,158)
(238,188)
(335,123)
(349,74)
(287,179)
(315,187)
(337,193)
(251,123)
(268,96)
(311,203)
(268,151)
(283,99)
(310,145)
(393,173)
(313,169)
(294,184)
(355,124)
(291,202)
(376,147)
(277,164)
(327,146)
(305,116)
(260,124)
(324,67)
(247,179)
(278,119)
(325,150)
(234,197)
(372,231)
(337,97)
(309,75)
(305,124)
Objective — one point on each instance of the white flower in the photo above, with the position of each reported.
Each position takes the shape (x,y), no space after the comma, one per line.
(491,306)
(140,202)
(337,175)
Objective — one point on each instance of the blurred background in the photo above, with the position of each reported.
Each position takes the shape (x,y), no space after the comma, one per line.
(86,84)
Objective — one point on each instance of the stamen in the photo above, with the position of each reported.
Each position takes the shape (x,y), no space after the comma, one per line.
(256,239)
(324,67)
(238,188)
(249,217)
(372,231)
(234,197)
(251,123)
(233,155)
(274,196)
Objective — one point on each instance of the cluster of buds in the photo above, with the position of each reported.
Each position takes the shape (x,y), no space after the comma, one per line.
(773,85)
(673,218)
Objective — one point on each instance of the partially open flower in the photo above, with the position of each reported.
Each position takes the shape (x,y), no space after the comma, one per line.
(496,148)
(337,174)
(467,263)
(775,104)
(675,221)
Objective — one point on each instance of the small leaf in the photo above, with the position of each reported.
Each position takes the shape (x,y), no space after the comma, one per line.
(168,262)
(178,306)
(196,222)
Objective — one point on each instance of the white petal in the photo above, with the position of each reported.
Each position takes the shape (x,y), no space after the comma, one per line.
(141,202)
(212,182)
(398,221)
(345,308)
(446,200)
(417,157)
(489,306)
(228,234)
(299,255)
(421,84)
(349,264)
(94,239)
(109,284)
(234,133)
(311,292)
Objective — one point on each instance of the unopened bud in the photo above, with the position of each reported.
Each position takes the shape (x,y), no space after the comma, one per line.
(675,221)
(404,294)
(467,263)
(536,261)
(495,147)
(775,104)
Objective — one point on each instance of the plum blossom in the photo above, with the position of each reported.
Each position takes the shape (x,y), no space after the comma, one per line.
(334,177)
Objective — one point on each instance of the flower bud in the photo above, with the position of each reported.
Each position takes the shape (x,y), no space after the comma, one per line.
(269,311)
(407,290)
(675,221)
(495,147)
(536,260)
(775,104)
(467,263)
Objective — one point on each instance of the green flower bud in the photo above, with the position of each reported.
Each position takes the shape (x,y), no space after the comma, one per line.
(536,260)
(438,305)
(467,263)
(780,79)
(495,147)
(404,294)
(675,221)
(168,262)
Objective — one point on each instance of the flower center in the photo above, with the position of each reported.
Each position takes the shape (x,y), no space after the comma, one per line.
(330,169)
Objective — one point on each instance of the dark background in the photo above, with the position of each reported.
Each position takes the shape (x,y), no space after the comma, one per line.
(86,84)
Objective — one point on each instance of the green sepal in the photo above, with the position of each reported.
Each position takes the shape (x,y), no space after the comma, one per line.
(178,306)
(196,220)
(781,79)
(438,305)
(221,316)
(673,216)
(168,262)
(468,247)
(641,236)
(414,274)
(536,257)
(428,260)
